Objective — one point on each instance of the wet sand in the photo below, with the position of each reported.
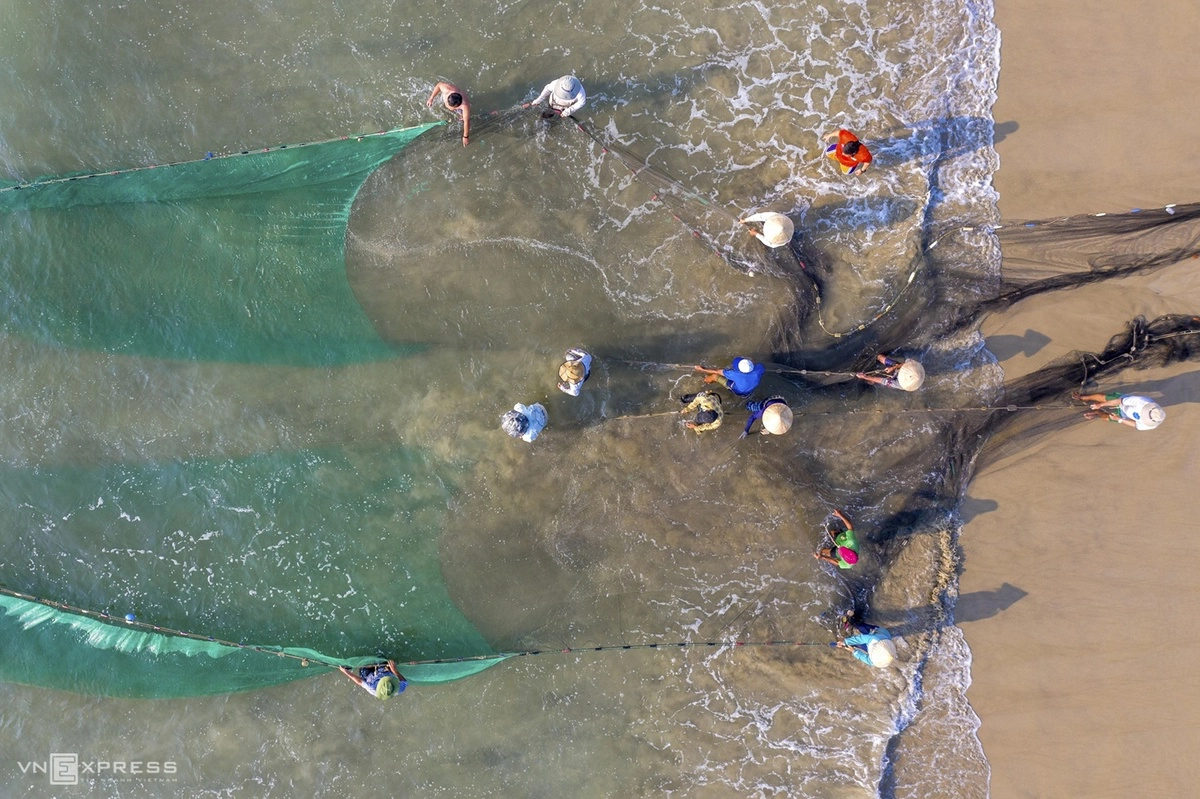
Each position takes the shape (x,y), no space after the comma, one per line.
(1079,557)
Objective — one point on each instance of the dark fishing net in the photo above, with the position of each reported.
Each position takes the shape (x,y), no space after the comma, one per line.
(1040,257)
(1143,345)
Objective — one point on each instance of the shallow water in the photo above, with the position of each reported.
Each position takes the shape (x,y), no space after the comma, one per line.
(498,257)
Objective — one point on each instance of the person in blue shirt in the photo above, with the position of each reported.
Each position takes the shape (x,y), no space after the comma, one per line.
(382,680)
(775,414)
(741,377)
(872,645)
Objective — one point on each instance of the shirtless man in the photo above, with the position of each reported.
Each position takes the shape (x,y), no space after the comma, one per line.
(456,102)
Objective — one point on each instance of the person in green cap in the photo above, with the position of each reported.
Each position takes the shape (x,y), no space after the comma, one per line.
(382,680)
(844,552)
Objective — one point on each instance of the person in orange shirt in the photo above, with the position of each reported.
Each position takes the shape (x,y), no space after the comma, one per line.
(851,154)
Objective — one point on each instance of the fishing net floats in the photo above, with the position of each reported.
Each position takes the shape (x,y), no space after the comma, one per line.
(208,156)
(671,646)
(129,621)
(893,411)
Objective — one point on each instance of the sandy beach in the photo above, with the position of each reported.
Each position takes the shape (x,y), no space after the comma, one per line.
(1080,546)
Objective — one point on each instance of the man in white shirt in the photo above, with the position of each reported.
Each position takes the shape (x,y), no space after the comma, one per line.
(566,96)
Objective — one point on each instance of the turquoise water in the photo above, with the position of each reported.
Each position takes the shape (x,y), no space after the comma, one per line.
(477,267)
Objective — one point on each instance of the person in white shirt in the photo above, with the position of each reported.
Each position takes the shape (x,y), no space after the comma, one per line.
(566,96)
(576,369)
(1140,413)
(777,229)
(524,421)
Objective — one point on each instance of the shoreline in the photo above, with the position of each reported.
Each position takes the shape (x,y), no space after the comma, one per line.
(1080,677)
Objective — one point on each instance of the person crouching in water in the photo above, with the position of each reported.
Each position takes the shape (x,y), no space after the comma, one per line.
(844,550)
(706,406)
(574,372)
(775,414)
(382,680)
(905,374)
(525,422)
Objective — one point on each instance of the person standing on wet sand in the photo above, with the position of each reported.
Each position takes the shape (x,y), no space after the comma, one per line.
(851,155)
(455,101)
(844,551)
(1140,413)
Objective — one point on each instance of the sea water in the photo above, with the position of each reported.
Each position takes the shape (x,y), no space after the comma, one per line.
(496,258)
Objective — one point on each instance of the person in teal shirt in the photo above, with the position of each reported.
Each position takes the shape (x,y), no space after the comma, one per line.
(870,644)
(844,551)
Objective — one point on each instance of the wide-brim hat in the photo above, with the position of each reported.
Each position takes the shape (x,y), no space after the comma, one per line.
(567,88)
(1155,413)
(777,419)
(386,687)
(882,653)
(571,372)
(777,230)
(911,375)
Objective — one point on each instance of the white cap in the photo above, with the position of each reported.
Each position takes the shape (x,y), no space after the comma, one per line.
(777,419)
(911,375)
(777,230)
(745,365)
(567,88)
(881,653)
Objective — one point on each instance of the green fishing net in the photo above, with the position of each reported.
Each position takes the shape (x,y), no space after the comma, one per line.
(233,258)
(328,556)
(294,562)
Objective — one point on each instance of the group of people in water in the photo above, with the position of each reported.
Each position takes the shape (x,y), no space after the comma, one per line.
(704,410)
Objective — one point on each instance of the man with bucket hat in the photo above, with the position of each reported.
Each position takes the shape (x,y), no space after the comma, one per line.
(565,95)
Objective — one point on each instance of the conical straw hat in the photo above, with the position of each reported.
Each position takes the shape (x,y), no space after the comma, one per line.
(911,375)
(777,419)
(881,653)
(777,230)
